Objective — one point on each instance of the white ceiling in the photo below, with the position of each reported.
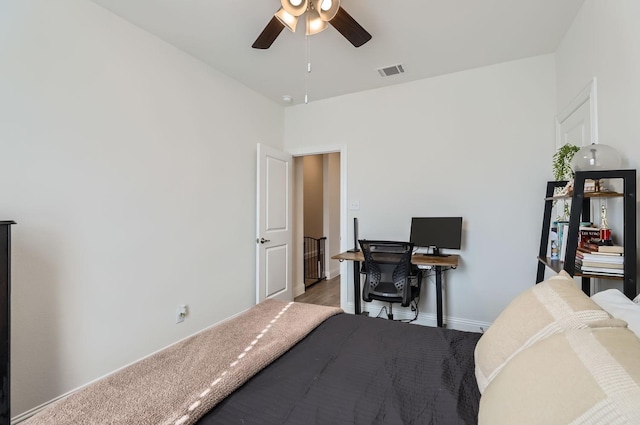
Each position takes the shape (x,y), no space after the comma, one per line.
(428,37)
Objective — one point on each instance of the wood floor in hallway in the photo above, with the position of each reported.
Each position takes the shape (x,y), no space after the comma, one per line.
(326,292)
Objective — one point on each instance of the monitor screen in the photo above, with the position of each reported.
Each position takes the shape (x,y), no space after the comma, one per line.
(437,232)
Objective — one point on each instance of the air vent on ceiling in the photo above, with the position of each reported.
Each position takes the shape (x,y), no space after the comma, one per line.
(391,70)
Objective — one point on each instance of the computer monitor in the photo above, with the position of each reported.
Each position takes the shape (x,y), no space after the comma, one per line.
(436,233)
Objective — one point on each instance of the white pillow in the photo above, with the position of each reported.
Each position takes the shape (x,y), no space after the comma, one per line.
(620,307)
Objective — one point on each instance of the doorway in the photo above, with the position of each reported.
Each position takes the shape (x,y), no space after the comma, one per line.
(318,191)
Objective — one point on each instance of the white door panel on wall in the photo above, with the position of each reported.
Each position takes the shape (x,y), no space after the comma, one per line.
(576,128)
(577,124)
(275,273)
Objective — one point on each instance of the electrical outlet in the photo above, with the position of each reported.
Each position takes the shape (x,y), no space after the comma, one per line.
(181,313)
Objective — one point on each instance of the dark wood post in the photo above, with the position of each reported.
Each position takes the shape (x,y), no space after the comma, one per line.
(5,321)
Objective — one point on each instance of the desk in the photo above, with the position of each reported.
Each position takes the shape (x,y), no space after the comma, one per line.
(439,263)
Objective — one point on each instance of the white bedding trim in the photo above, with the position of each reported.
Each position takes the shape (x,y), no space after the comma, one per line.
(622,392)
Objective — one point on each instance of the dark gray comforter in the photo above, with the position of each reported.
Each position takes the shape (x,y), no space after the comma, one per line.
(362,371)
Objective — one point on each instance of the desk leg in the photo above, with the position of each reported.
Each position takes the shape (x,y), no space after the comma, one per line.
(356,286)
(439,295)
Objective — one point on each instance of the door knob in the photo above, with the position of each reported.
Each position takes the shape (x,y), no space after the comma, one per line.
(263,240)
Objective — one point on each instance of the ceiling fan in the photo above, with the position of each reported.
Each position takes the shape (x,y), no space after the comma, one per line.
(319,14)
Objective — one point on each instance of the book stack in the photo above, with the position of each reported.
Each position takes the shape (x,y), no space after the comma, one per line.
(604,260)
(589,185)
(559,230)
(587,233)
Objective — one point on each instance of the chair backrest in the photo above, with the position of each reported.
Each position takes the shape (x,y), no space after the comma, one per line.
(387,266)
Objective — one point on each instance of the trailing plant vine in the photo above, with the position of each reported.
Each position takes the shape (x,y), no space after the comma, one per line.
(562,162)
(562,171)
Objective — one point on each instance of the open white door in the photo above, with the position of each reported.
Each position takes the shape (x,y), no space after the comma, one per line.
(274,220)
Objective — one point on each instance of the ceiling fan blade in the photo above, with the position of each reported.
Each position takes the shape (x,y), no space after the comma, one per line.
(268,34)
(349,28)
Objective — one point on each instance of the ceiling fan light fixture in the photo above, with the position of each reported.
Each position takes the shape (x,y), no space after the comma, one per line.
(294,7)
(288,20)
(327,9)
(319,14)
(314,23)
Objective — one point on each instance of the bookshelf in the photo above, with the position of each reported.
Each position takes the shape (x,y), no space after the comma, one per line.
(580,212)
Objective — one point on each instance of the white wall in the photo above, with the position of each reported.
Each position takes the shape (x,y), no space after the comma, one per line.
(130,170)
(313,181)
(604,42)
(476,143)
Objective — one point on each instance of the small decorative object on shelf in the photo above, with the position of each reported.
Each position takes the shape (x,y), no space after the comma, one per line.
(596,157)
(590,186)
(605,231)
(554,250)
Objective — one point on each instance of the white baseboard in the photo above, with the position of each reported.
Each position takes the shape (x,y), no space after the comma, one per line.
(425,319)
(333,273)
(298,289)
(29,413)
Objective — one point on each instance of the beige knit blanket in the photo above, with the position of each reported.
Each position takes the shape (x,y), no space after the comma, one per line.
(180,384)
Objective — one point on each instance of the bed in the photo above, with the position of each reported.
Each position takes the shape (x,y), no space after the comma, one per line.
(291,363)
(359,370)
(553,356)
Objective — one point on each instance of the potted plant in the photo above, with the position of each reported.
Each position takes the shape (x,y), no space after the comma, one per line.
(562,170)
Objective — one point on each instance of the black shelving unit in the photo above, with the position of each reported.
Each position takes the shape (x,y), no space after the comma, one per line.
(5,320)
(581,211)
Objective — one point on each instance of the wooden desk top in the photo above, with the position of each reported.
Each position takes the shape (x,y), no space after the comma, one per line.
(417,259)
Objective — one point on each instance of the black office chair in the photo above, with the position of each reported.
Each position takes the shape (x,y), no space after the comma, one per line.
(389,273)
